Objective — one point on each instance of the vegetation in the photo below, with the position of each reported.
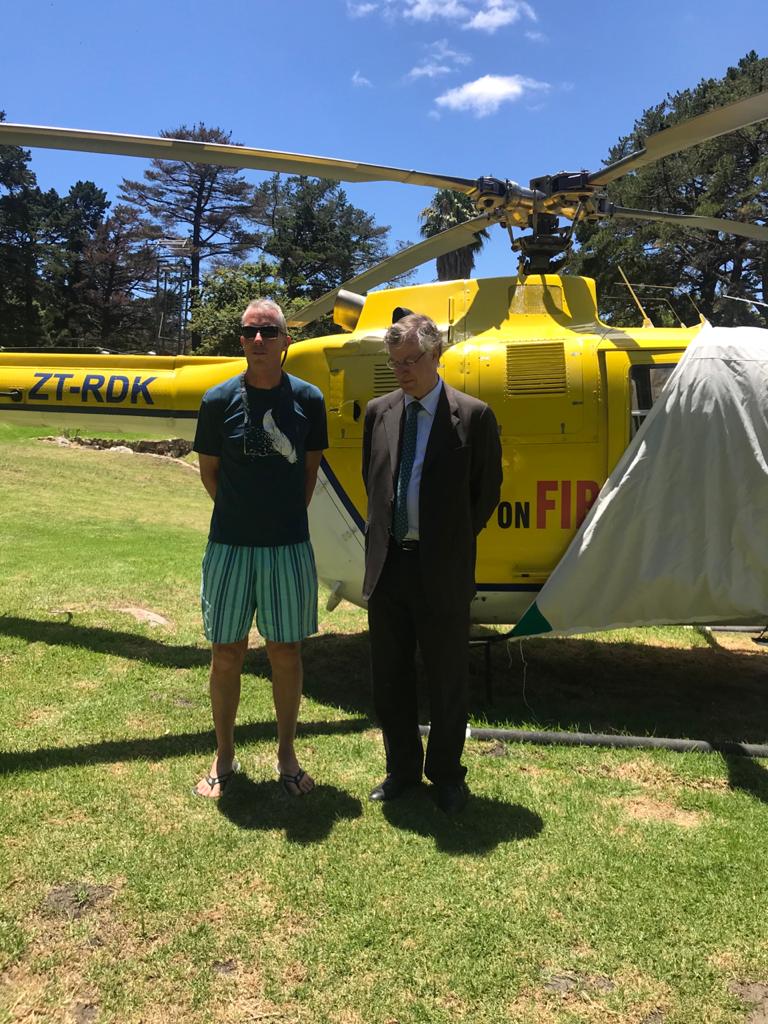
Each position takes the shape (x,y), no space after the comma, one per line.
(447,209)
(580,886)
(225,293)
(143,275)
(727,177)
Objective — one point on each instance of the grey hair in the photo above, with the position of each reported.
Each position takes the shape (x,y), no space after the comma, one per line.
(418,327)
(270,305)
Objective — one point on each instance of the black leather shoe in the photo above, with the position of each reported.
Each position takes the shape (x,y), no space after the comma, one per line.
(451,797)
(391,788)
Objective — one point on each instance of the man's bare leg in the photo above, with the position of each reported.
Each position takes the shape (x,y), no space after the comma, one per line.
(287,681)
(226,670)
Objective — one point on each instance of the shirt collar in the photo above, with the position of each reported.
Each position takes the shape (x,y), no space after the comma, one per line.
(430,400)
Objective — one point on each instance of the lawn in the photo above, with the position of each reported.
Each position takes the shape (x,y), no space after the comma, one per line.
(580,885)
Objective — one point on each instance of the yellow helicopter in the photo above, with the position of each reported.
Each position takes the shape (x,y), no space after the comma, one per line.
(568,391)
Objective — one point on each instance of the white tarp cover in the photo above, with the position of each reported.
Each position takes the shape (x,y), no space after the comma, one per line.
(679,531)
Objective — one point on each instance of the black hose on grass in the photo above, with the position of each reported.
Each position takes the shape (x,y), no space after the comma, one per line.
(589,739)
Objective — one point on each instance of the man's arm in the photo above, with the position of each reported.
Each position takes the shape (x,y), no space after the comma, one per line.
(367,440)
(311,466)
(209,472)
(486,469)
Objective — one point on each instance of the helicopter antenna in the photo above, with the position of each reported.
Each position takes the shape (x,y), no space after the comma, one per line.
(751,302)
(702,318)
(647,322)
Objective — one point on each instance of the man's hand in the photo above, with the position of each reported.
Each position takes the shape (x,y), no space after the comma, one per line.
(311,466)
(209,473)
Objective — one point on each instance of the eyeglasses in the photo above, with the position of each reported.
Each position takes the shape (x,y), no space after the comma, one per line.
(267,331)
(404,364)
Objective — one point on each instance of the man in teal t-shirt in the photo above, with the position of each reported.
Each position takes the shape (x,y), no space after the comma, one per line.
(260,437)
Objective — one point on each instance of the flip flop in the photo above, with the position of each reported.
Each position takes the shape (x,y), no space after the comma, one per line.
(218,780)
(287,781)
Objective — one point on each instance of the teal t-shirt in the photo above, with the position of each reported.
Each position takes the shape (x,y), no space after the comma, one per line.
(260,498)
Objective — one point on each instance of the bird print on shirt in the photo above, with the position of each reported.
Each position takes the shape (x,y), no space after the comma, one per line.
(268,439)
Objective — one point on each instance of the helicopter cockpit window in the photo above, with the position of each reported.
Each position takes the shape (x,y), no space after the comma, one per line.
(646,383)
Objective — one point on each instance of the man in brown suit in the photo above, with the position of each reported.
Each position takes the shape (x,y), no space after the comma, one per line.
(432,471)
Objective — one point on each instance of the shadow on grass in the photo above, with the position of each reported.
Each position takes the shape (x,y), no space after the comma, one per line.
(551,683)
(580,685)
(482,826)
(115,642)
(747,775)
(706,692)
(265,806)
(157,748)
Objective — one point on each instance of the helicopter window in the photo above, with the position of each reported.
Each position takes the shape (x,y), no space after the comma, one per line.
(535,298)
(647,382)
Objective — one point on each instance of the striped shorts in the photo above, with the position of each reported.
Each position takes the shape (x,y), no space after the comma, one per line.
(277,584)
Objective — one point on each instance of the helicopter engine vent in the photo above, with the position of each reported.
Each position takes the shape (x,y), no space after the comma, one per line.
(384,380)
(537,369)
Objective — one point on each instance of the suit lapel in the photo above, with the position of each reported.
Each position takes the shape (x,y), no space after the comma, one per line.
(443,434)
(392,419)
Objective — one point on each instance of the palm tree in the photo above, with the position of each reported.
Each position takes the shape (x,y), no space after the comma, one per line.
(447,209)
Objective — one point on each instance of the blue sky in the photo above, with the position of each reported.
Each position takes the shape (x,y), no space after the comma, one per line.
(463,87)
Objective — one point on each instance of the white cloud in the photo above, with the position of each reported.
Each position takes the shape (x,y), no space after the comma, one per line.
(485,95)
(426,10)
(482,15)
(360,81)
(441,60)
(360,10)
(536,37)
(442,51)
(429,70)
(498,13)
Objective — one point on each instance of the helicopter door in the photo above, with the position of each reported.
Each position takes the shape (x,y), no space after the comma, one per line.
(355,378)
(635,380)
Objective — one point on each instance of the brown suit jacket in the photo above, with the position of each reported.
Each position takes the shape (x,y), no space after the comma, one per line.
(460,487)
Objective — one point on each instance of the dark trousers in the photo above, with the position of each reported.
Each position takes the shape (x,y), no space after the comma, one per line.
(399,618)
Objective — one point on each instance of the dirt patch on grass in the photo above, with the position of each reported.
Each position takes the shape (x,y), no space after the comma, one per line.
(176,448)
(145,615)
(74,899)
(573,981)
(644,808)
(742,642)
(755,995)
(650,775)
(590,998)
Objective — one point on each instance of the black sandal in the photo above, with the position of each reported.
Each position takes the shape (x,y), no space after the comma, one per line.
(217,780)
(287,780)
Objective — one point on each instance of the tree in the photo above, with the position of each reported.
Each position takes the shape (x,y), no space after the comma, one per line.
(119,268)
(209,205)
(225,293)
(24,213)
(72,223)
(317,237)
(447,209)
(727,177)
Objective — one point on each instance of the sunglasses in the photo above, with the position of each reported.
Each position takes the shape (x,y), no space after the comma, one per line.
(267,331)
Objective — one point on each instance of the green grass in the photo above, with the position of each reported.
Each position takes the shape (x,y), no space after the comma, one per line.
(580,885)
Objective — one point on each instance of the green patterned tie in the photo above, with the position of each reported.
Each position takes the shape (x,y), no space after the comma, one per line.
(408,454)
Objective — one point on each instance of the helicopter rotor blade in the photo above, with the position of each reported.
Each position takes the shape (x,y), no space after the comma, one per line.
(242,157)
(730,227)
(679,137)
(399,263)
